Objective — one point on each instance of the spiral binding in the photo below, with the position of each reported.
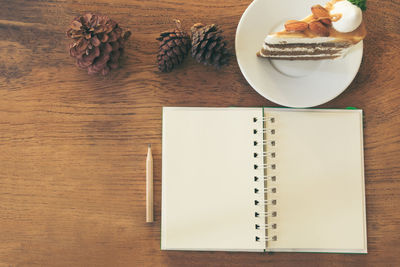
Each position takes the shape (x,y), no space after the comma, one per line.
(268,179)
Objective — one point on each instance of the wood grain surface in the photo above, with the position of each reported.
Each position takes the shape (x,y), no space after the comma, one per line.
(73,146)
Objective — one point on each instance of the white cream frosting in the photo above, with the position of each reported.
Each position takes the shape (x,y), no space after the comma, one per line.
(273,39)
(351,16)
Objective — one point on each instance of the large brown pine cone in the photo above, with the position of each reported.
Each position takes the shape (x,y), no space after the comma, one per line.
(174,46)
(208,45)
(98,43)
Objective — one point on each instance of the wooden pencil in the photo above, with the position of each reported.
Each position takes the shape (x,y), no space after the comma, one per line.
(149,186)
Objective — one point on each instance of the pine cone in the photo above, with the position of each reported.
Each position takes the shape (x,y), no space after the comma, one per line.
(174,46)
(98,43)
(208,46)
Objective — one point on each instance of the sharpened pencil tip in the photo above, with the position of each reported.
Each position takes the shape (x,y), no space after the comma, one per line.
(149,145)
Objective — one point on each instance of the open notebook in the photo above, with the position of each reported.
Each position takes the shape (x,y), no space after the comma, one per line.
(263,179)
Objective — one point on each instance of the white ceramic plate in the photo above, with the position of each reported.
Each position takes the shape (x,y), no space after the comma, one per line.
(289,83)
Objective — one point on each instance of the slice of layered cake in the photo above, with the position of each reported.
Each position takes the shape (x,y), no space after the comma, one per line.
(329,32)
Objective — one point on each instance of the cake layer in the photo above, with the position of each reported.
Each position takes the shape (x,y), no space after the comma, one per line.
(305,57)
(305,49)
(309,45)
(289,55)
(301,51)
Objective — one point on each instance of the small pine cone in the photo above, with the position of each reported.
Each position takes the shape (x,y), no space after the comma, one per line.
(208,45)
(97,43)
(174,46)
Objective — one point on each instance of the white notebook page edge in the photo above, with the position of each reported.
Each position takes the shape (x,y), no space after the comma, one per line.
(306,206)
(210,206)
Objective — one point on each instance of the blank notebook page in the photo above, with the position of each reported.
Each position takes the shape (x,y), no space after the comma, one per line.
(207,179)
(320,181)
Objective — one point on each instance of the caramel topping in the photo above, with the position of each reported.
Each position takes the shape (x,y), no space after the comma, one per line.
(336,17)
(329,5)
(353,37)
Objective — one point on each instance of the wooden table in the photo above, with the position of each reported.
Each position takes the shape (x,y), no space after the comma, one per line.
(73,146)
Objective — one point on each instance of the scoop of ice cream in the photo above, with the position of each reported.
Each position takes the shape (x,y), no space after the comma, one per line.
(350,16)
